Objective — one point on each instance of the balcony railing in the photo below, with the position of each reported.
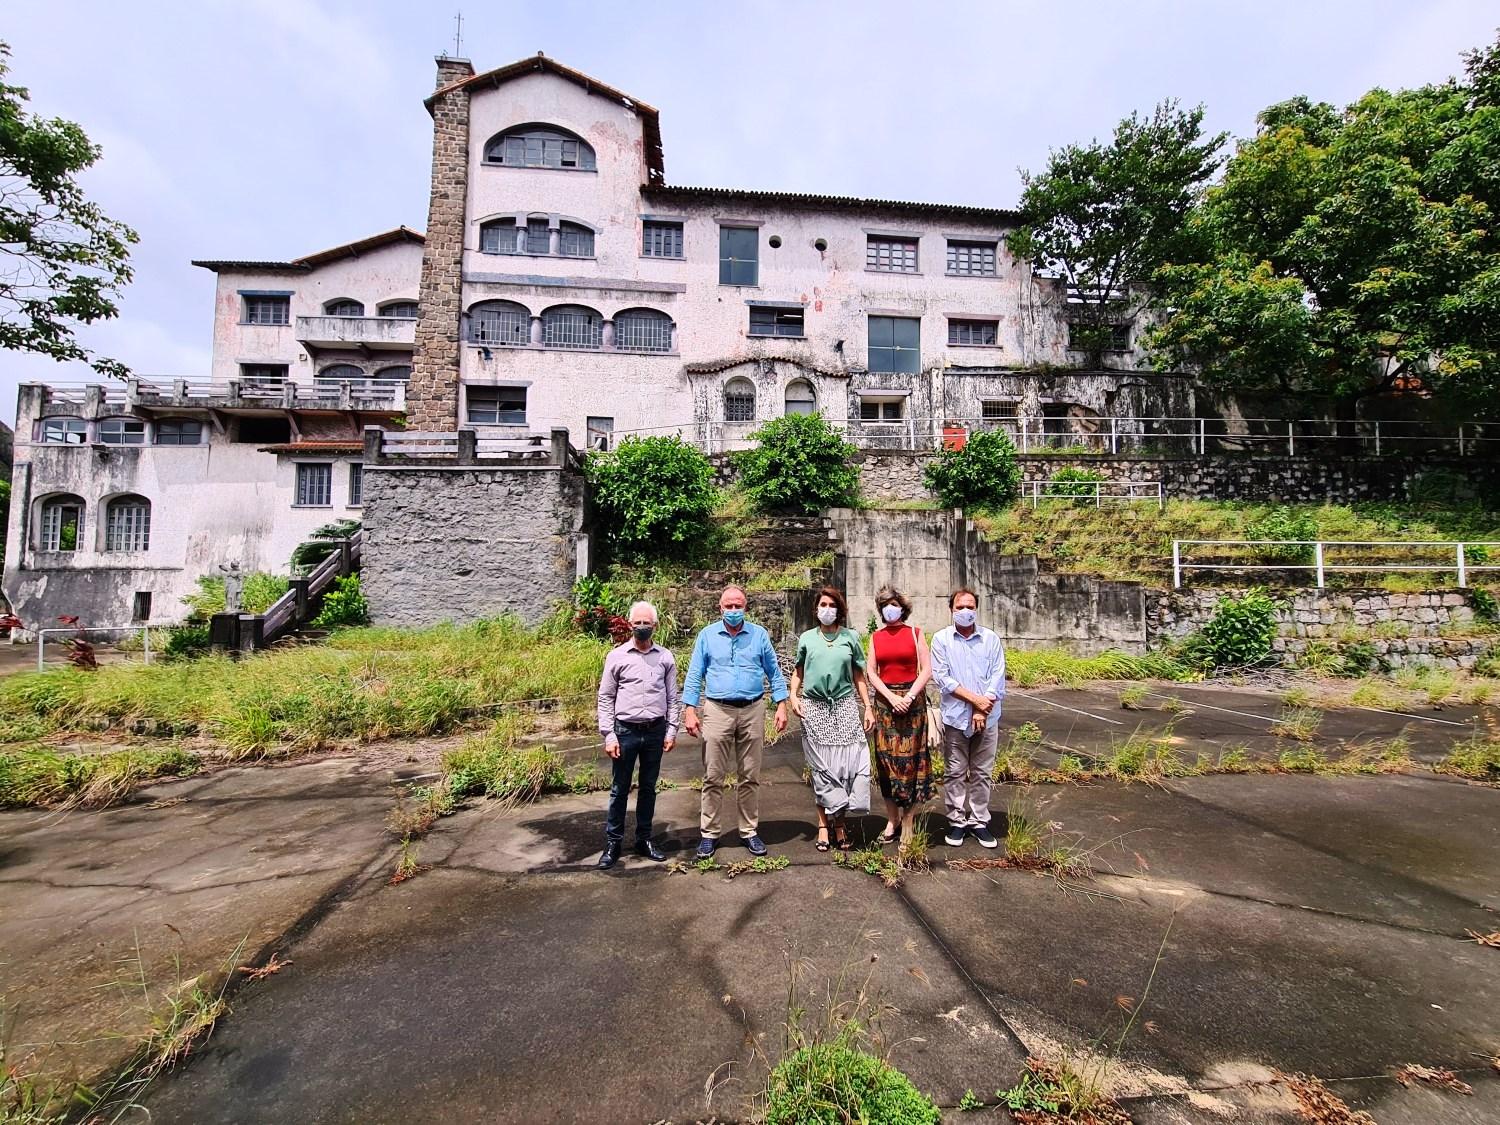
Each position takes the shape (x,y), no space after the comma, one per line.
(379,332)
(94,400)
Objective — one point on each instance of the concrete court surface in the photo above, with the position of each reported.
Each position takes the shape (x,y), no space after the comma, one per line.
(1311,924)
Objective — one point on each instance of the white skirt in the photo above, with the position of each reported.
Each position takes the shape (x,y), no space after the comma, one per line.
(833,742)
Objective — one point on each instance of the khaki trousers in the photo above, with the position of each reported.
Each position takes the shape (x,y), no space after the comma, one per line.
(733,738)
(968,760)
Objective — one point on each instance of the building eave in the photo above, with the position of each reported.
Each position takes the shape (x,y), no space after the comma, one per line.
(322,257)
(806,201)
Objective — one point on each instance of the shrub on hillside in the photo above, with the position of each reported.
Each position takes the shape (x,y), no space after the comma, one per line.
(1240,632)
(653,496)
(343,605)
(983,474)
(1284,523)
(799,464)
(1074,482)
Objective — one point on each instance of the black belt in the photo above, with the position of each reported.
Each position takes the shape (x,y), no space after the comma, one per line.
(737,702)
(643,724)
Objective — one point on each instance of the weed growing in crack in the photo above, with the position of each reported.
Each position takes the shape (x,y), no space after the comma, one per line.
(1300,723)
(760,865)
(1477,759)
(1133,698)
(970,1102)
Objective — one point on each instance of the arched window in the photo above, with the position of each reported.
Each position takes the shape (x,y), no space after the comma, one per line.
(643,330)
(539,146)
(401,310)
(344,307)
(502,324)
(127,524)
(572,326)
(65,431)
(62,520)
(800,398)
(498,236)
(574,240)
(400,372)
(122,431)
(739,401)
(339,372)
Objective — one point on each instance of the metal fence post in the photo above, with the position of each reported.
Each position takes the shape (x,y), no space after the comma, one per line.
(146,642)
(1176,564)
(1318,562)
(1377,437)
(1463,569)
(1460,439)
(41,639)
(1098,493)
(1202,447)
(1291,444)
(1114,437)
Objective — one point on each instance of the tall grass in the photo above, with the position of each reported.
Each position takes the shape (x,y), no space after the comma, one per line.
(42,776)
(1033,667)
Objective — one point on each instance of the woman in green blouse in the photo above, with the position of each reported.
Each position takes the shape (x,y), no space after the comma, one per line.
(830,675)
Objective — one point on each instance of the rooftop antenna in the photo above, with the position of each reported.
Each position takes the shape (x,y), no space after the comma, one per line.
(458,35)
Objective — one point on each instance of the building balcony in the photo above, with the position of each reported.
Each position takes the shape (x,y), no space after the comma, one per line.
(143,397)
(376,333)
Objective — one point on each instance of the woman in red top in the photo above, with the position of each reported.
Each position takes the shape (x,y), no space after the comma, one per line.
(898,670)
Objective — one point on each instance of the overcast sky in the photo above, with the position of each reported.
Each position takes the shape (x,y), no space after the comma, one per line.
(273,128)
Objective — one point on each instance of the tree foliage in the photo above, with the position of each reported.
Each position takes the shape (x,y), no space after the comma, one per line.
(983,474)
(1105,215)
(799,464)
(1350,251)
(62,261)
(653,496)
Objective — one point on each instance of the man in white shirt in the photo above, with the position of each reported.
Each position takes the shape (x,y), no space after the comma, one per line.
(968,665)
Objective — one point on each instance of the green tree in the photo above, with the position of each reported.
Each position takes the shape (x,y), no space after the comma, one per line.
(1105,215)
(799,464)
(983,474)
(652,496)
(1349,251)
(62,262)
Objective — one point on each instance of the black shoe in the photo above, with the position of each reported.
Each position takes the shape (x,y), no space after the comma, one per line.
(611,854)
(649,849)
(755,844)
(706,848)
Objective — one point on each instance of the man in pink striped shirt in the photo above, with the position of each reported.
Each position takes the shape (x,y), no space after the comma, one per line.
(638,719)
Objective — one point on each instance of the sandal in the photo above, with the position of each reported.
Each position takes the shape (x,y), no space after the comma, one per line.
(821,845)
(841,837)
(889,837)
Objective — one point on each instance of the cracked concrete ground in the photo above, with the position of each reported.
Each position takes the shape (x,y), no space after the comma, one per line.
(1311,924)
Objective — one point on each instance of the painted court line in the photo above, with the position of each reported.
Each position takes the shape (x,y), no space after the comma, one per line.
(1273,722)
(1065,707)
(1407,715)
(1211,707)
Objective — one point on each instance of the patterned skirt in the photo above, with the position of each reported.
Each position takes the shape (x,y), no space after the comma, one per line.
(833,742)
(902,761)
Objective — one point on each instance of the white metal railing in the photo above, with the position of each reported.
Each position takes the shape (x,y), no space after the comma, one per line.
(1097,491)
(75,630)
(1464,563)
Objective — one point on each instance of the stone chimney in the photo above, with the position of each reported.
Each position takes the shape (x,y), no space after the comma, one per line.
(432,395)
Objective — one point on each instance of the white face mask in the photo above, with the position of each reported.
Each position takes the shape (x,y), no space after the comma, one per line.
(964,618)
(828,615)
(891,613)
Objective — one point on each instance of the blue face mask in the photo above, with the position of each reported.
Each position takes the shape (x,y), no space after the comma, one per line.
(734,618)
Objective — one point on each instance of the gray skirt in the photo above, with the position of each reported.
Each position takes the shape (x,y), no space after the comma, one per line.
(833,742)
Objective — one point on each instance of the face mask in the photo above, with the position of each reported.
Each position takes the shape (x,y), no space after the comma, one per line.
(642,632)
(828,615)
(891,613)
(964,618)
(734,618)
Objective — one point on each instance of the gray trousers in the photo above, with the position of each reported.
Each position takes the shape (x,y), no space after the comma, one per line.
(967,761)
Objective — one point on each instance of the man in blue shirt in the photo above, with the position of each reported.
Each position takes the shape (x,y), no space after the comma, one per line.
(968,665)
(731,663)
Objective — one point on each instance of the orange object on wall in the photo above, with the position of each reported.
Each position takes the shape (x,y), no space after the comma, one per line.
(955,437)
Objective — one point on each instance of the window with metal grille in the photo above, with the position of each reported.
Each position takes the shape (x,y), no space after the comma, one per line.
(344,308)
(127,524)
(1116,337)
(356,484)
(575,241)
(62,516)
(739,256)
(891,255)
(994,412)
(538,237)
(64,431)
(971,259)
(800,398)
(572,326)
(268,310)
(895,344)
(881,409)
(498,237)
(179,431)
(314,486)
(739,401)
(533,147)
(397,373)
(779,321)
(643,330)
(339,373)
(502,324)
(122,431)
(661,240)
(400,310)
(973,333)
(140,609)
(496,406)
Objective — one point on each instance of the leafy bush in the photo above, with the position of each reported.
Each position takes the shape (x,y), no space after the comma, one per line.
(1082,483)
(983,474)
(321,543)
(833,1084)
(600,610)
(343,605)
(256,596)
(653,496)
(185,642)
(1240,632)
(1284,523)
(1439,487)
(1484,604)
(1359,659)
(799,465)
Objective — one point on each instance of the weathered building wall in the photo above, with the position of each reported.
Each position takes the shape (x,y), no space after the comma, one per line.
(458,543)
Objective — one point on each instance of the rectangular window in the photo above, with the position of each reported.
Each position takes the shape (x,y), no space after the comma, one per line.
(895,344)
(1116,340)
(178,431)
(661,240)
(356,484)
(780,321)
(127,526)
(881,410)
(60,523)
(599,430)
(122,431)
(538,237)
(268,310)
(64,431)
(140,609)
(891,255)
(971,259)
(973,333)
(314,486)
(739,256)
(497,406)
(996,413)
(251,430)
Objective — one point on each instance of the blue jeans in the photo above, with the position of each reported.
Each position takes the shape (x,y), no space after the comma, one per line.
(638,742)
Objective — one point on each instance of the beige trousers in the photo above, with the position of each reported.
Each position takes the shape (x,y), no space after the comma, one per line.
(733,738)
